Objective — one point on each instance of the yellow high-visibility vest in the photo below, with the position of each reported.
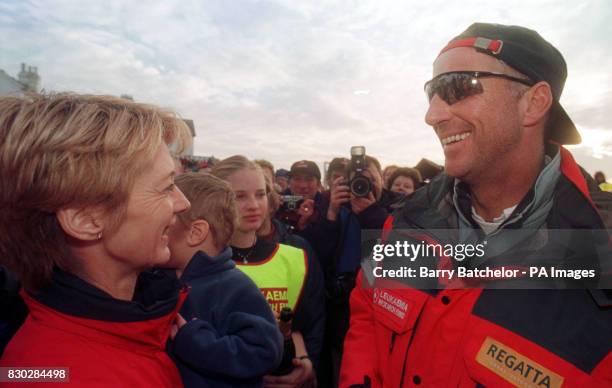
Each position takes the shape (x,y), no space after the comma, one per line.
(605,186)
(280,277)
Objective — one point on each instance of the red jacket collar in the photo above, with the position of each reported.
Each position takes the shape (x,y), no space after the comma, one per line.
(137,336)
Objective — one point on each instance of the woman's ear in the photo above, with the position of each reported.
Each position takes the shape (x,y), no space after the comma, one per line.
(81,223)
(536,103)
(198,233)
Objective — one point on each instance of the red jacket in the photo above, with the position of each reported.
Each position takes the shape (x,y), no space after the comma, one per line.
(404,337)
(98,353)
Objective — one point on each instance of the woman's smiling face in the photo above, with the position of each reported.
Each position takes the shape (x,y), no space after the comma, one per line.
(142,236)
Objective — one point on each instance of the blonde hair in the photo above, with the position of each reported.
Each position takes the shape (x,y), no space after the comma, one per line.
(212,200)
(264,164)
(227,167)
(274,198)
(67,149)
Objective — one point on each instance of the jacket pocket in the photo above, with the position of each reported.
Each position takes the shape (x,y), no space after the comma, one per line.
(398,310)
(396,313)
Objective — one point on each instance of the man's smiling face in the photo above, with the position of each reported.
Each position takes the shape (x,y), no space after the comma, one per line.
(478,132)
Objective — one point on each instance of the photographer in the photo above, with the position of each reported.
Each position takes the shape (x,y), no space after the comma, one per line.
(305,181)
(357,200)
(373,208)
(337,168)
(307,214)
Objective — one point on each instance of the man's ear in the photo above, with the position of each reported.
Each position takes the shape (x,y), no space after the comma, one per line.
(537,102)
(198,232)
(84,224)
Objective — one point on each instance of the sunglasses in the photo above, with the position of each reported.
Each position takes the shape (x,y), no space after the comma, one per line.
(454,86)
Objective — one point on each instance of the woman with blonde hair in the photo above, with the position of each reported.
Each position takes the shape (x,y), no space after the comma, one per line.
(286,275)
(86,202)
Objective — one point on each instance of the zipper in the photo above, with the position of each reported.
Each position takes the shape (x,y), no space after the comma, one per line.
(414,329)
(393,336)
(416,323)
(503,226)
(405,358)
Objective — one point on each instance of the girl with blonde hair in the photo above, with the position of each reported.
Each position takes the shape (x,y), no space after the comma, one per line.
(286,275)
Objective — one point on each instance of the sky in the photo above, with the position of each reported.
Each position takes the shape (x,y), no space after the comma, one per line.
(286,80)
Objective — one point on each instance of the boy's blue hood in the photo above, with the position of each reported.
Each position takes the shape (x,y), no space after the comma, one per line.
(203,265)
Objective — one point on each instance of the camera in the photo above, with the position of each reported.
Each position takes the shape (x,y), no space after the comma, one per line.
(360,185)
(291,202)
(288,209)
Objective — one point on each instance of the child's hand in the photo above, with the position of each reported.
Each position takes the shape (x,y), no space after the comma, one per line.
(302,374)
(179,322)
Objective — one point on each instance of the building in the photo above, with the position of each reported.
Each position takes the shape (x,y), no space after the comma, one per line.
(28,81)
(189,150)
(29,78)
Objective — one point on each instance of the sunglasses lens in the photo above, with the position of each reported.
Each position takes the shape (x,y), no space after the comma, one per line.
(453,87)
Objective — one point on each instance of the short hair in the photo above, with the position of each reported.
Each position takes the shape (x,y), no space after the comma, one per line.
(212,200)
(517,90)
(227,167)
(599,175)
(60,150)
(336,164)
(408,172)
(389,167)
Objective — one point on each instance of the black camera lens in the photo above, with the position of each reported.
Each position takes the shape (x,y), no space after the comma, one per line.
(360,186)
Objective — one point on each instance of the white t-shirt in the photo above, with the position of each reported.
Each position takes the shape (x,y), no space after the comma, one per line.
(490,227)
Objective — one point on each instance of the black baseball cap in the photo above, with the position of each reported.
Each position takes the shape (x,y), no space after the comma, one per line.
(526,51)
(305,167)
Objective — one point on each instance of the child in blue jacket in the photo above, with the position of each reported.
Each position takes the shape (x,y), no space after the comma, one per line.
(229,336)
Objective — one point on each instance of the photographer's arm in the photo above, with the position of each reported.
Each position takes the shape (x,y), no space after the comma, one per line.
(323,236)
(339,195)
(374,214)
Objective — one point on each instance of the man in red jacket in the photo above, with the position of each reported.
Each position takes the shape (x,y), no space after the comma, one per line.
(494,105)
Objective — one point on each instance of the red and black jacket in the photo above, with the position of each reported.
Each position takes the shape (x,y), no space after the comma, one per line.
(105,342)
(404,337)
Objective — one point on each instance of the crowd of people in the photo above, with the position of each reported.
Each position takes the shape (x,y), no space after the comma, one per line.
(129,268)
